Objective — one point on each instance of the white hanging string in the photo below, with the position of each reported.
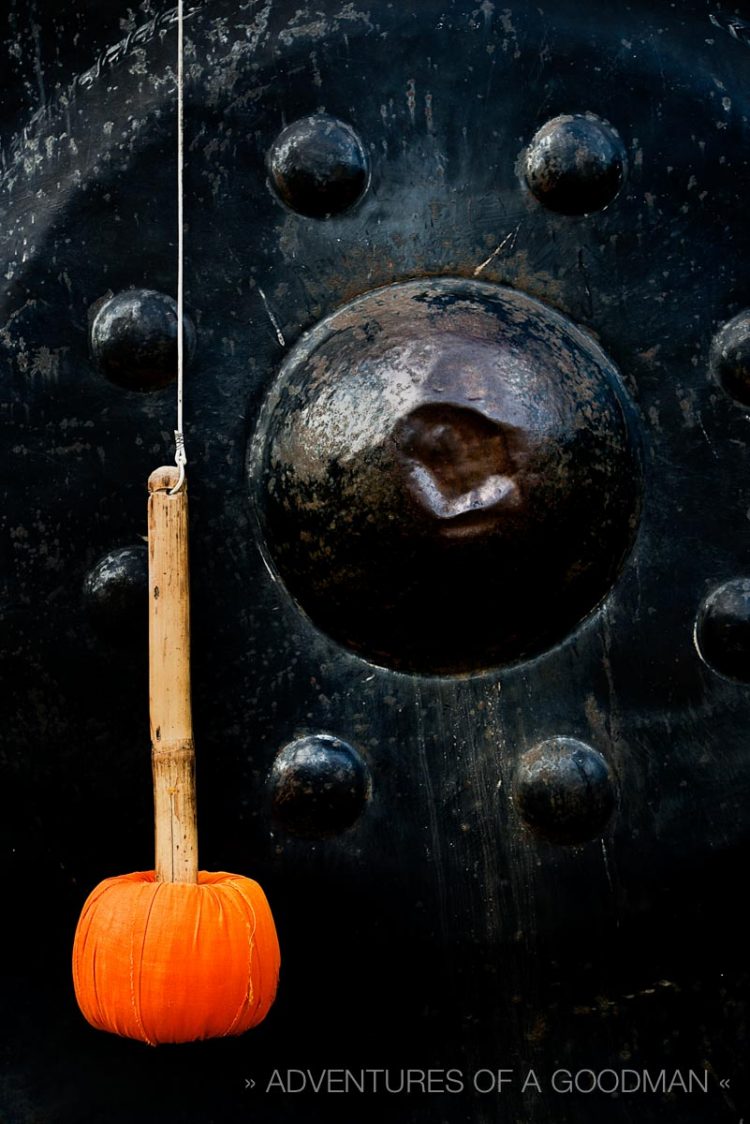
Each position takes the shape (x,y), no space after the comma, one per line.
(179,436)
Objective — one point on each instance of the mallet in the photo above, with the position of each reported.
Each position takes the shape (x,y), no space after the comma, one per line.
(174,954)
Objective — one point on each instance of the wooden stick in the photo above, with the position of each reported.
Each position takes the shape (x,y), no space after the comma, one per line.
(172,748)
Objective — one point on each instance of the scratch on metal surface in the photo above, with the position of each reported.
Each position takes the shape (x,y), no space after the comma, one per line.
(709,442)
(428,112)
(487,9)
(481,770)
(737,28)
(607,870)
(509,238)
(272,318)
(321,27)
(268,566)
(613,710)
(435,832)
(411,98)
(586,285)
(38,63)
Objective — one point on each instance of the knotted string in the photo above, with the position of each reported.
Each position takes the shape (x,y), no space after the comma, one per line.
(179,436)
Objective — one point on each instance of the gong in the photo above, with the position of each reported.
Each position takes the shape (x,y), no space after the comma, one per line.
(467,388)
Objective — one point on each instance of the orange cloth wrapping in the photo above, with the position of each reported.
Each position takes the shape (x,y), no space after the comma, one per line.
(174,962)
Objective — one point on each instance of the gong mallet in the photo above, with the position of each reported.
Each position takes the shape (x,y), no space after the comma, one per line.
(174,954)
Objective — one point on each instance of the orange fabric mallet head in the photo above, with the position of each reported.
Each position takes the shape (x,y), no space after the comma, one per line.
(174,954)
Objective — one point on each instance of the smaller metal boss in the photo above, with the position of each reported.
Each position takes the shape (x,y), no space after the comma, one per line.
(730,358)
(115,593)
(575,164)
(318,166)
(319,786)
(134,339)
(722,630)
(564,791)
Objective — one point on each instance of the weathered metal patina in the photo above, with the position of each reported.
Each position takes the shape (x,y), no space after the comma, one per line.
(447,475)
(471,638)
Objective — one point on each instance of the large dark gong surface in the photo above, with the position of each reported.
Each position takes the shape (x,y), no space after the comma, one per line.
(536,866)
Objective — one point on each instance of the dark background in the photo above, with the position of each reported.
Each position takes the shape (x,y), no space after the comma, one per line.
(437,931)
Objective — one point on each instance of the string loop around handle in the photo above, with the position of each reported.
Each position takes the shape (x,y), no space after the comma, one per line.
(180,459)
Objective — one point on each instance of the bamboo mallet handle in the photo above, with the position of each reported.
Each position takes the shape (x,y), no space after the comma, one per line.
(172,748)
